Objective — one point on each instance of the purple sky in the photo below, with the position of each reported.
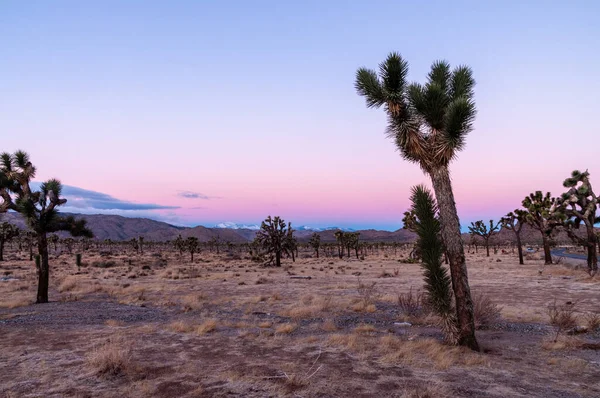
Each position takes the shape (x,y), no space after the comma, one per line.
(197,114)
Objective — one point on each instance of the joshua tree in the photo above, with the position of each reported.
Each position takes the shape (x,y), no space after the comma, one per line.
(141,244)
(480,229)
(291,244)
(192,244)
(429,124)
(352,241)
(426,224)
(315,242)
(39,208)
(272,238)
(514,221)
(340,237)
(541,216)
(179,244)
(7,233)
(54,240)
(576,206)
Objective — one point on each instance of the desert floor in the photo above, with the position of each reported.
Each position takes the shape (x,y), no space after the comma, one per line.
(156,325)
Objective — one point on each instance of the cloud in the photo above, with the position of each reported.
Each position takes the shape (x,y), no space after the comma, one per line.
(85,200)
(195,195)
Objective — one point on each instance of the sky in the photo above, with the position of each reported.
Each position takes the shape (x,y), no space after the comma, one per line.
(201,112)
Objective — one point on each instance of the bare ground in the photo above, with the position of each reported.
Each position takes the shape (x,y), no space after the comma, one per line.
(157,325)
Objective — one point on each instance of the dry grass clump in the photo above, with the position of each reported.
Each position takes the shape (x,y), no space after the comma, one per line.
(14,302)
(485,311)
(365,329)
(562,317)
(193,301)
(113,323)
(427,390)
(286,328)
(265,325)
(310,307)
(412,304)
(329,326)
(592,320)
(68,284)
(180,327)
(207,326)
(562,343)
(112,358)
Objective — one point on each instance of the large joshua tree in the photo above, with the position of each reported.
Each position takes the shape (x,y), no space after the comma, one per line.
(39,208)
(273,237)
(429,124)
(514,221)
(578,206)
(541,216)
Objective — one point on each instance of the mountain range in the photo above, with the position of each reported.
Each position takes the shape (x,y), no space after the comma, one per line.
(118,228)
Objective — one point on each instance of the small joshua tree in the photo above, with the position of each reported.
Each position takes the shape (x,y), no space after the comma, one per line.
(192,245)
(578,206)
(315,242)
(291,243)
(179,244)
(272,238)
(425,223)
(7,233)
(54,240)
(541,216)
(514,221)
(39,208)
(340,237)
(479,228)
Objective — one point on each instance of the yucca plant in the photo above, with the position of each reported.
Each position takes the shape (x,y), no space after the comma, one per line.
(39,208)
(429,124)
(425,222)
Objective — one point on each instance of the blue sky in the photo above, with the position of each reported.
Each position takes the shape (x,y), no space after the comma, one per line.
(251,105)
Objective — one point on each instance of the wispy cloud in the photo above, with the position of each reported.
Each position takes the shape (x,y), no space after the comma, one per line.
(86,200)
(195,195)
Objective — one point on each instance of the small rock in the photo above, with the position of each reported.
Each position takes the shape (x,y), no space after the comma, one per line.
(403,324)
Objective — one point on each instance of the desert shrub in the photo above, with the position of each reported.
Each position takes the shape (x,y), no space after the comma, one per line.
(485,311)
(562,317)
(111,359)
(104,264)
(368,294)
(410,303)
(592,321)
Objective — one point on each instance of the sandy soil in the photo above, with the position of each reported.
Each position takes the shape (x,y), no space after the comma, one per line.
(158,326)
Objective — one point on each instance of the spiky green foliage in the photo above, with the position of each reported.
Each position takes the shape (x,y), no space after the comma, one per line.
(428,122)
(273,238)
(578,206)
(426,224)
(179,244)
(478,228)
(7,233)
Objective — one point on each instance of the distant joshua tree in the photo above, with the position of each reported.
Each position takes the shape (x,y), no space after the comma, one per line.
(578,206)
(54,240)
(514,221)
(7,233)
(179,244)
(480,229)
(541,216)
(273,239)
(192,245)
(315,242)
(39,208)
(429,124)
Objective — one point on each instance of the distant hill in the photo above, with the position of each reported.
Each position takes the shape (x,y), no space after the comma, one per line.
(124,228)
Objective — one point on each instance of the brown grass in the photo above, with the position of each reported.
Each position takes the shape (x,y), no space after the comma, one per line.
(111,359)
(208,326)
(285,328)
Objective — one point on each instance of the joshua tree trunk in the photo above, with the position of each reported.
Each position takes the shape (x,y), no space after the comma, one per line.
(547,254)
(487,248)
(520,249)
(450,224)
(1,250)
(592,258)
(278,258)
(43,270)
(192,256)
